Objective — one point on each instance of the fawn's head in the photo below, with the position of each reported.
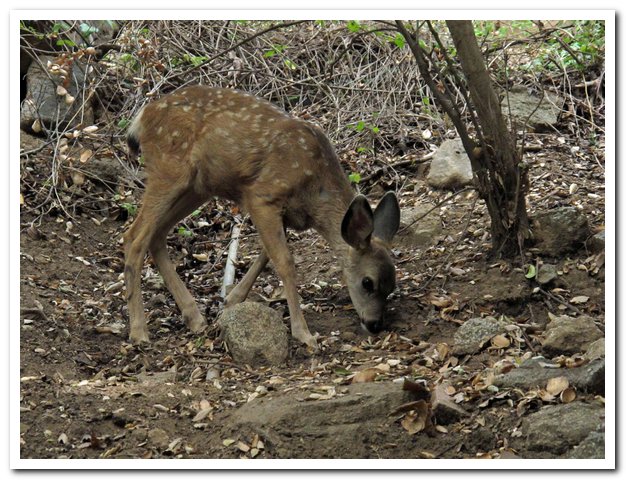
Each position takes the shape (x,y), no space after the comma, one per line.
(369,271)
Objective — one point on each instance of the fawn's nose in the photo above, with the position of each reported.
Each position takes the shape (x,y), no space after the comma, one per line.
(372,326)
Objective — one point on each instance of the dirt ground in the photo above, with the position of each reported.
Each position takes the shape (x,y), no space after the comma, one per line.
(87,393)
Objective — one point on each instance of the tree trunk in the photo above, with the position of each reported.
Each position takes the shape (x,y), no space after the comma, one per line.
(501,175)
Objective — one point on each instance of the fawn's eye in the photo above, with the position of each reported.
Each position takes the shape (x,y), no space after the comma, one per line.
(368,284)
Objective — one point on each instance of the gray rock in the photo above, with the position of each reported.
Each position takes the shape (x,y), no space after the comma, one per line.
(546,274)
(596,242)
(529,375)
(595,349)
(591,447)
(42,102)
(475,332)
(557,428)
(255,334)
(424,232)
(560,230)
(569,335)
(444,408)
(345,425)
(450,167)
(528,109)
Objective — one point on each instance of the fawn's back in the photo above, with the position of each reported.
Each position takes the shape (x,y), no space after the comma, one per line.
(236,146)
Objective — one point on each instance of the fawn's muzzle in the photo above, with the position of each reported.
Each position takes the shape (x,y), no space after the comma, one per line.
(373,326)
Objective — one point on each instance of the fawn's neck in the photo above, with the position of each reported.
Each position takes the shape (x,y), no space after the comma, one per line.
(333,205)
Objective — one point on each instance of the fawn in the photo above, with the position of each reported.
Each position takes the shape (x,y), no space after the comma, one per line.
(201,142)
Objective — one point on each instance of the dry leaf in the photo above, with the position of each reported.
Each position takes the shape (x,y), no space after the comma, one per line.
(579,299)
(242,446)
(85,155)
(383,367)
(90,129)
(202,414)
(568,395)
(557,385)
(228,442)
(367,375)
(500,341)
(417,420)
(440,301)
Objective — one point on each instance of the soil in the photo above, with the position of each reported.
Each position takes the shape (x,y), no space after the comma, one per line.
(88,393)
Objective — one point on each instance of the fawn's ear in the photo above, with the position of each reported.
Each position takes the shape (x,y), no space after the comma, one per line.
(358,223)
(387,217)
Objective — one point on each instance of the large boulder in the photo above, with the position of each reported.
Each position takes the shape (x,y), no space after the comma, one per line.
(560,230)
(558,428)
(532,110)
(45,105)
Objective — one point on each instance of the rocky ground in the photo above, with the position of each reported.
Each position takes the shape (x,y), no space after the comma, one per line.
(480,358)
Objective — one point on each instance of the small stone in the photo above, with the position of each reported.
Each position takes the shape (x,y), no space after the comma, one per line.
(159,438)
(444,408)
(450,167)
(475,333)
(423,227)
(255,334)
(546,274)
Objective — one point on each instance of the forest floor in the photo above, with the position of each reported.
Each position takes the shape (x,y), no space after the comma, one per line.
(86,392)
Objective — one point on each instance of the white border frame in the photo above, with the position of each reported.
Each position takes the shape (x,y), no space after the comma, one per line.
(14,228)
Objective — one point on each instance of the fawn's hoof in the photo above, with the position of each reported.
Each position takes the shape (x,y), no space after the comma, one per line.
(307,339)
(139,335)
(195,323)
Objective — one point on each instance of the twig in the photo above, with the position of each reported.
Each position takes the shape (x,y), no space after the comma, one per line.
(562,302)
(229,269)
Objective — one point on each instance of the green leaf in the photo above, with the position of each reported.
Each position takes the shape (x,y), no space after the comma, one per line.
(131,208)
(289,64)
(184,232)
(87,29)
(123,123)
(360,126)
(354,26)
(65,43)
(532,272)
(342,372)
(399,40)
(354,177)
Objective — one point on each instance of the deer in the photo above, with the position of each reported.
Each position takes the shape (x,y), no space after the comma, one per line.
(198,143)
